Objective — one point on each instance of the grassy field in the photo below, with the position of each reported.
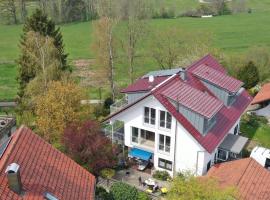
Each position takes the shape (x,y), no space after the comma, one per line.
(232,34)
(8,82)
(257,130)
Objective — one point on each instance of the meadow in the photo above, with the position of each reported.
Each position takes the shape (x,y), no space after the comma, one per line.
(232,34)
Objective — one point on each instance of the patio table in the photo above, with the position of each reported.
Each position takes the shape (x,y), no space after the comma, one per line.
(150,182)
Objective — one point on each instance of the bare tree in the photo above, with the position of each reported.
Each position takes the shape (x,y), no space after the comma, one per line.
(8,10)
(109,12)
(167,47)
(104,45)
(135,14)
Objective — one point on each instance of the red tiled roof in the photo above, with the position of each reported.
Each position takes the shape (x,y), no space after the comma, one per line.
(217,78)
(193,98)
(249,177)
(43,169)
(143,85)
(226,116)
(263,94)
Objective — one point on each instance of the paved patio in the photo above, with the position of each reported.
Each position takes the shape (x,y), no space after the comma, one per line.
(133,178)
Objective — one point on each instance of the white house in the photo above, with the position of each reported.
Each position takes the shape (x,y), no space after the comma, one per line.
(183,119)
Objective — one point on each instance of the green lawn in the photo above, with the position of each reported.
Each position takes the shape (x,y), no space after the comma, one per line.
(256,130)
(232,34)
(8,84)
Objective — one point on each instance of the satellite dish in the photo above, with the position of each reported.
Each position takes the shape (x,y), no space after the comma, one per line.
(151,78)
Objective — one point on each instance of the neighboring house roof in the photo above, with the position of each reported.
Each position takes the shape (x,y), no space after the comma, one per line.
(249,177)
(217,78)
(43,169)
(166,72)
(193,98)
(143,85)
(226,116)
(263,94)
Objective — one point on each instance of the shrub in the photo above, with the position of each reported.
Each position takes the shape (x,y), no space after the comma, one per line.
(143,196)
(249,75)
(102,194)
(108,102)
(122,191)
(161,175)
(107,173)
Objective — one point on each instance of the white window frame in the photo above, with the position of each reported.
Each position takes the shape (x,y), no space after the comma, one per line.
(149,116)
(164,144)
(165,120)
(166,162)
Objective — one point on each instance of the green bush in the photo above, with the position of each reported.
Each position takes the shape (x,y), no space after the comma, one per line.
(107,173)
(143,196)
(122,191)
(102,194)
(161,175)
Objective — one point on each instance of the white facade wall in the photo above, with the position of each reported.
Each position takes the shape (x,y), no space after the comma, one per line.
(190,155)
(134,117)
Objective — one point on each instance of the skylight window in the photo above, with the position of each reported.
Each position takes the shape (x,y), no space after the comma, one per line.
(4,146)
(49,196)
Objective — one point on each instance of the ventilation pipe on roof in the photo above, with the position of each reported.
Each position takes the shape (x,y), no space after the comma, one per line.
(182,73)
(14,178)
(151,79)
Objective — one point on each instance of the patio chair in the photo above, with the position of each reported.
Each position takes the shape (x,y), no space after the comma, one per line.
(149,190)
(163,190)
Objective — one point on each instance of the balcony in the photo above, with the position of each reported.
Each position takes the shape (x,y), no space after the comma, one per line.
(115,132)
(143,138)
(119,104)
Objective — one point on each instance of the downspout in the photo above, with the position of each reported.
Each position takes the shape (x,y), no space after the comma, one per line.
(197,161)
(175,139)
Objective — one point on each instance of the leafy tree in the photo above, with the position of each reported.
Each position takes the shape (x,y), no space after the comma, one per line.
(58,107)
(88,146)
(190,187)
(123,191)
(38,23)
(249,75)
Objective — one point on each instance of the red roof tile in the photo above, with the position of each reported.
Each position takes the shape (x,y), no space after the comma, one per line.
(263,94)
(43,169)
(248,176)
(143,85)
(217,78)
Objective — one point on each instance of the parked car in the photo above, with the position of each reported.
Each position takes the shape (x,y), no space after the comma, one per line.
(142,164)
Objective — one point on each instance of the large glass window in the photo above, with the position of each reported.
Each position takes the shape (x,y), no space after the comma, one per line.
(165,164)
(165,120)
(135,135)
(164,143)
(149,115)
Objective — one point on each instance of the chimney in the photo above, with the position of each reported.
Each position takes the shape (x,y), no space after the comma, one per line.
(182,73)
(14,178)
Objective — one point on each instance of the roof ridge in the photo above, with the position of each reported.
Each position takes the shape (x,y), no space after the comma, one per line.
(11,145)
(250,160)
(164,83)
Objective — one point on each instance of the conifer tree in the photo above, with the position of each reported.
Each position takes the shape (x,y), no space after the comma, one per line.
(41,24)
